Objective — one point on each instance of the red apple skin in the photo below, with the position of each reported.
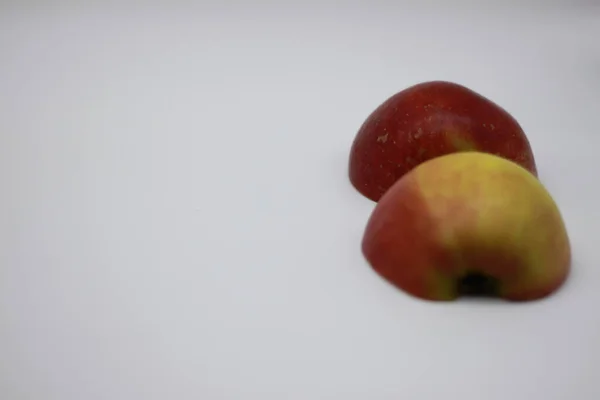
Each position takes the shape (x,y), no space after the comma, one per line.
(468,212)
(429,120)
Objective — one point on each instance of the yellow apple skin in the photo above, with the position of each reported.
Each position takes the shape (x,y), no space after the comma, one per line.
(469,213)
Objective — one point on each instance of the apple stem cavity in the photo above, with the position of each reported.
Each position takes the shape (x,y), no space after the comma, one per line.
(474,284)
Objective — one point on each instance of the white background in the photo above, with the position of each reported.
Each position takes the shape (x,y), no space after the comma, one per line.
(177,222)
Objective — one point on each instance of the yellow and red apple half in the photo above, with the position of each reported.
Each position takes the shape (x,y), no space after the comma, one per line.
(429,120)
(469,223)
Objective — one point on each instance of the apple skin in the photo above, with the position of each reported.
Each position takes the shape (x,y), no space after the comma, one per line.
(468,213)
(425,121)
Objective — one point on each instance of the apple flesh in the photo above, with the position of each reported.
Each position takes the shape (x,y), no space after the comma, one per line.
(425,121)
(469,223)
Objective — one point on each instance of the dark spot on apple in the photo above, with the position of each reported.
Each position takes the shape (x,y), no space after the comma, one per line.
(478,285)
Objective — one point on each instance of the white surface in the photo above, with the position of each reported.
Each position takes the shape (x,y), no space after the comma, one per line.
(177,222)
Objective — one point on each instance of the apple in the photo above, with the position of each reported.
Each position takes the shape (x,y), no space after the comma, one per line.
(425,121)
(469,223)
